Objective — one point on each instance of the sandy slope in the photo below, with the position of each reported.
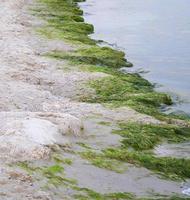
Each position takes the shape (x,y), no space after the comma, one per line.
(36,103)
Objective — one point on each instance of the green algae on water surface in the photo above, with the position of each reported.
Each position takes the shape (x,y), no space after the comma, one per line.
(129,90)
(170,168)
(143,138)
(58,159)
(92,195)
(138,141)
(100,160)
(147,136)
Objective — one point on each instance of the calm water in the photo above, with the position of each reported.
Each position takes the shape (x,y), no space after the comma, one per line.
(155,34)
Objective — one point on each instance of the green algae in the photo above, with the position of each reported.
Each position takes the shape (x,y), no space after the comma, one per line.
(52,175)
(64,21)
(129,90)
(138,141)
(114,159)
(100,160)
(167,167)
(86,146)
(26,167)
(58,159)
(94,55)
(90,194)
(102,56)
(142,138)
(104,123)
(147,136)
(54,169)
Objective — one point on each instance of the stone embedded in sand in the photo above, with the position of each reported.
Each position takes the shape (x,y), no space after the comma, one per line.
(28,136)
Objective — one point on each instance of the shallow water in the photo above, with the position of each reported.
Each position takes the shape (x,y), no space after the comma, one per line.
(155,36)
(135,180)
(181,150)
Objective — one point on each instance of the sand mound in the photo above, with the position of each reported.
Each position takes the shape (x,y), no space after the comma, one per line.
(29,136)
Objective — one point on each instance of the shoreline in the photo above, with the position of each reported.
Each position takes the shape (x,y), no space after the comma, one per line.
(73,126)
(132,40)
(110,91)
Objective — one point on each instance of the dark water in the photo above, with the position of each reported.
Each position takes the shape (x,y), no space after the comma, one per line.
(155,34)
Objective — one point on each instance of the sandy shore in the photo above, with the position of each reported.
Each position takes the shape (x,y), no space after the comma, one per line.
(39,110)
